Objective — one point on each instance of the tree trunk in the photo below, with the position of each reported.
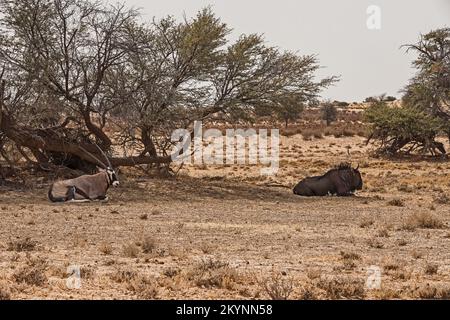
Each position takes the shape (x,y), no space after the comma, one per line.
(96,131)
(41,140)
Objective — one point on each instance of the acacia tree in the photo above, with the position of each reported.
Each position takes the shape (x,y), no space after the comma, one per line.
(403,129)
(429,89)
(425,112)
(329,113)
(78,72)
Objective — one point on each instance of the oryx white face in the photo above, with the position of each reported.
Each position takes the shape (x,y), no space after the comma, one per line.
(112,176)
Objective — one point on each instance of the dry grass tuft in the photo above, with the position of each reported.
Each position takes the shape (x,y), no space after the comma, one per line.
(365,223)
(33,273)
(308,292)
(148,244)
(374,243)
(206,248)
(212,273)
(383,233)
(349,259)
(144,287)
(431,268)
(424,220)
(313,274)
(105,248)
(143,216)
(171,272)
(417,254)
(396,203)
(22,245)
(432,292)
(87,272)
(342,288)
(442,198)
(123,276)
(130,250)
(350,255)
(5,293)
(308,134)
(277,286)
(156,212)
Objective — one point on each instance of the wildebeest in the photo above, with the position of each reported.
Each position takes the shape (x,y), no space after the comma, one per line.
(87,187)
(342,181)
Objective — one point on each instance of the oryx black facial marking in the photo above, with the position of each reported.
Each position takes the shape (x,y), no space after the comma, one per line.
(112,177)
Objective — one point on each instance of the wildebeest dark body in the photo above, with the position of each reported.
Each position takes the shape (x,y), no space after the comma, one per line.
(341,181)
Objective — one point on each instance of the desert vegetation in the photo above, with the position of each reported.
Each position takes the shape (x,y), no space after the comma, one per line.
(80,73)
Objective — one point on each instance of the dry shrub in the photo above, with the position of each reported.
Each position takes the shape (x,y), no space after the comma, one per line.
(143,216)
(349,259)
(342,288)
(289,132)
(171,272)
(396,270)
(391,266)
(442,198)
(365,223)
(386,294)
(374,243)
(363,132)
(432,292)
(33,273)
(313,274)
(146,288)
(431,268)
(383,233)
(424,220)
(308,134)
(148,244)
(123,276)
(401,274)
(5,293)
(396,203)
(206,248)
(417,254)
(348,133)
(308,292)
(105,248)
(349,265)
(277,286)
(405,188)
(130,250)
(211,273)
(87,272)
(156,212)
(350,255)
(22,245)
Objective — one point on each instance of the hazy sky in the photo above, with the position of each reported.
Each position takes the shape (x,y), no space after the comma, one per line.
(370,62)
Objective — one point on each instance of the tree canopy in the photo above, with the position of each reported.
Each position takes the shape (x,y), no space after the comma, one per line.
(79,71)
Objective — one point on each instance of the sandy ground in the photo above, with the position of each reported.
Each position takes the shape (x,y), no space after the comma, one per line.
(229,233)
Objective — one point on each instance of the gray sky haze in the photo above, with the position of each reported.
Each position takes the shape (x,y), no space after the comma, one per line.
(370,62)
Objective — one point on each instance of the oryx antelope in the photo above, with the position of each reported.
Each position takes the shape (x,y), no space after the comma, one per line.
(85,188)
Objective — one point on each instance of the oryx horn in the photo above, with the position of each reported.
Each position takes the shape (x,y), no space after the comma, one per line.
(104,155)
(94,157)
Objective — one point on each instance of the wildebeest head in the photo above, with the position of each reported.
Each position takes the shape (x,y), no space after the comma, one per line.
(351,177)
